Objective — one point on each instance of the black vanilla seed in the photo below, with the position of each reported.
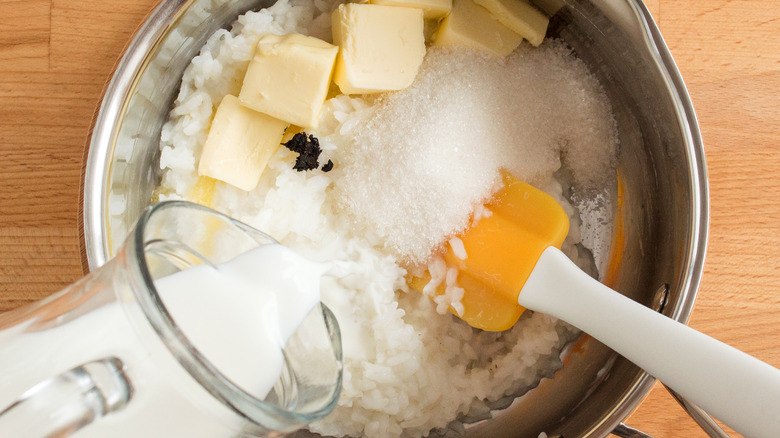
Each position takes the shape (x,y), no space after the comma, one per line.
(308,150)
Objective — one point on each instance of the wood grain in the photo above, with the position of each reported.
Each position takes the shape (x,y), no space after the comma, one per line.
(24,34)
(56,55)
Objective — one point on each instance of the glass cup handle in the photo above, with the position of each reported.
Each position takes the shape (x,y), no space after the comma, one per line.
(62,405)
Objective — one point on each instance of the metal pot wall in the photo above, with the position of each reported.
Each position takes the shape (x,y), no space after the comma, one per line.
(664,208)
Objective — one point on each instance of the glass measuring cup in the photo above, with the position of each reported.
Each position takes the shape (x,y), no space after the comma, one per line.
(104,357)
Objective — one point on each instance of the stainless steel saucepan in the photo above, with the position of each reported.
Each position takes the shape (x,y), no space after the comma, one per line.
(661,168)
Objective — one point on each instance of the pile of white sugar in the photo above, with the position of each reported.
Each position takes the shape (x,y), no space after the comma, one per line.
(428,155)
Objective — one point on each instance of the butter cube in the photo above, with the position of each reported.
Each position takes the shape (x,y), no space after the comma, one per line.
(239,144)
(380,47)
(432,9)
(470,25)
(519,16)
(288,78)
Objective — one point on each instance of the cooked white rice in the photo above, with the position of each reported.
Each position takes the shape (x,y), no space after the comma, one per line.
(408,369)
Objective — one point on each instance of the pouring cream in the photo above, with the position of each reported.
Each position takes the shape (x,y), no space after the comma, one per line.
(240,314)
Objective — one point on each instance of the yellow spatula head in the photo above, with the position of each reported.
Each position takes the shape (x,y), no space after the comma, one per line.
(502,250)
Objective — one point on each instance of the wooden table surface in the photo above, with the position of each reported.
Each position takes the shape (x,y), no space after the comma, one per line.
(56,56)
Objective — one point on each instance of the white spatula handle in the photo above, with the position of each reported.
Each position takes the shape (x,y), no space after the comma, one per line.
(734,387)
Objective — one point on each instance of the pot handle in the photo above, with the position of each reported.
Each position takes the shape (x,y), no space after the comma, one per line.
(702,418)
(736,388)
(624,431)
(61,405)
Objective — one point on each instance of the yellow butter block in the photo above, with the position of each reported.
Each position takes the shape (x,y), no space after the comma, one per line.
(432,9)
(470,25)
(521,17)
(239,144)
(288,78)
(381,48)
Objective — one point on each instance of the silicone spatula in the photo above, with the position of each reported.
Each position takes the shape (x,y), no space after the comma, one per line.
(521,222)
(736,388)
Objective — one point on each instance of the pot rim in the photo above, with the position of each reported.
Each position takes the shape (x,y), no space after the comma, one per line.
(104,130)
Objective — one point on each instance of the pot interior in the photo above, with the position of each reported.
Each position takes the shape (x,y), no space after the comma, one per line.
(661,213)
